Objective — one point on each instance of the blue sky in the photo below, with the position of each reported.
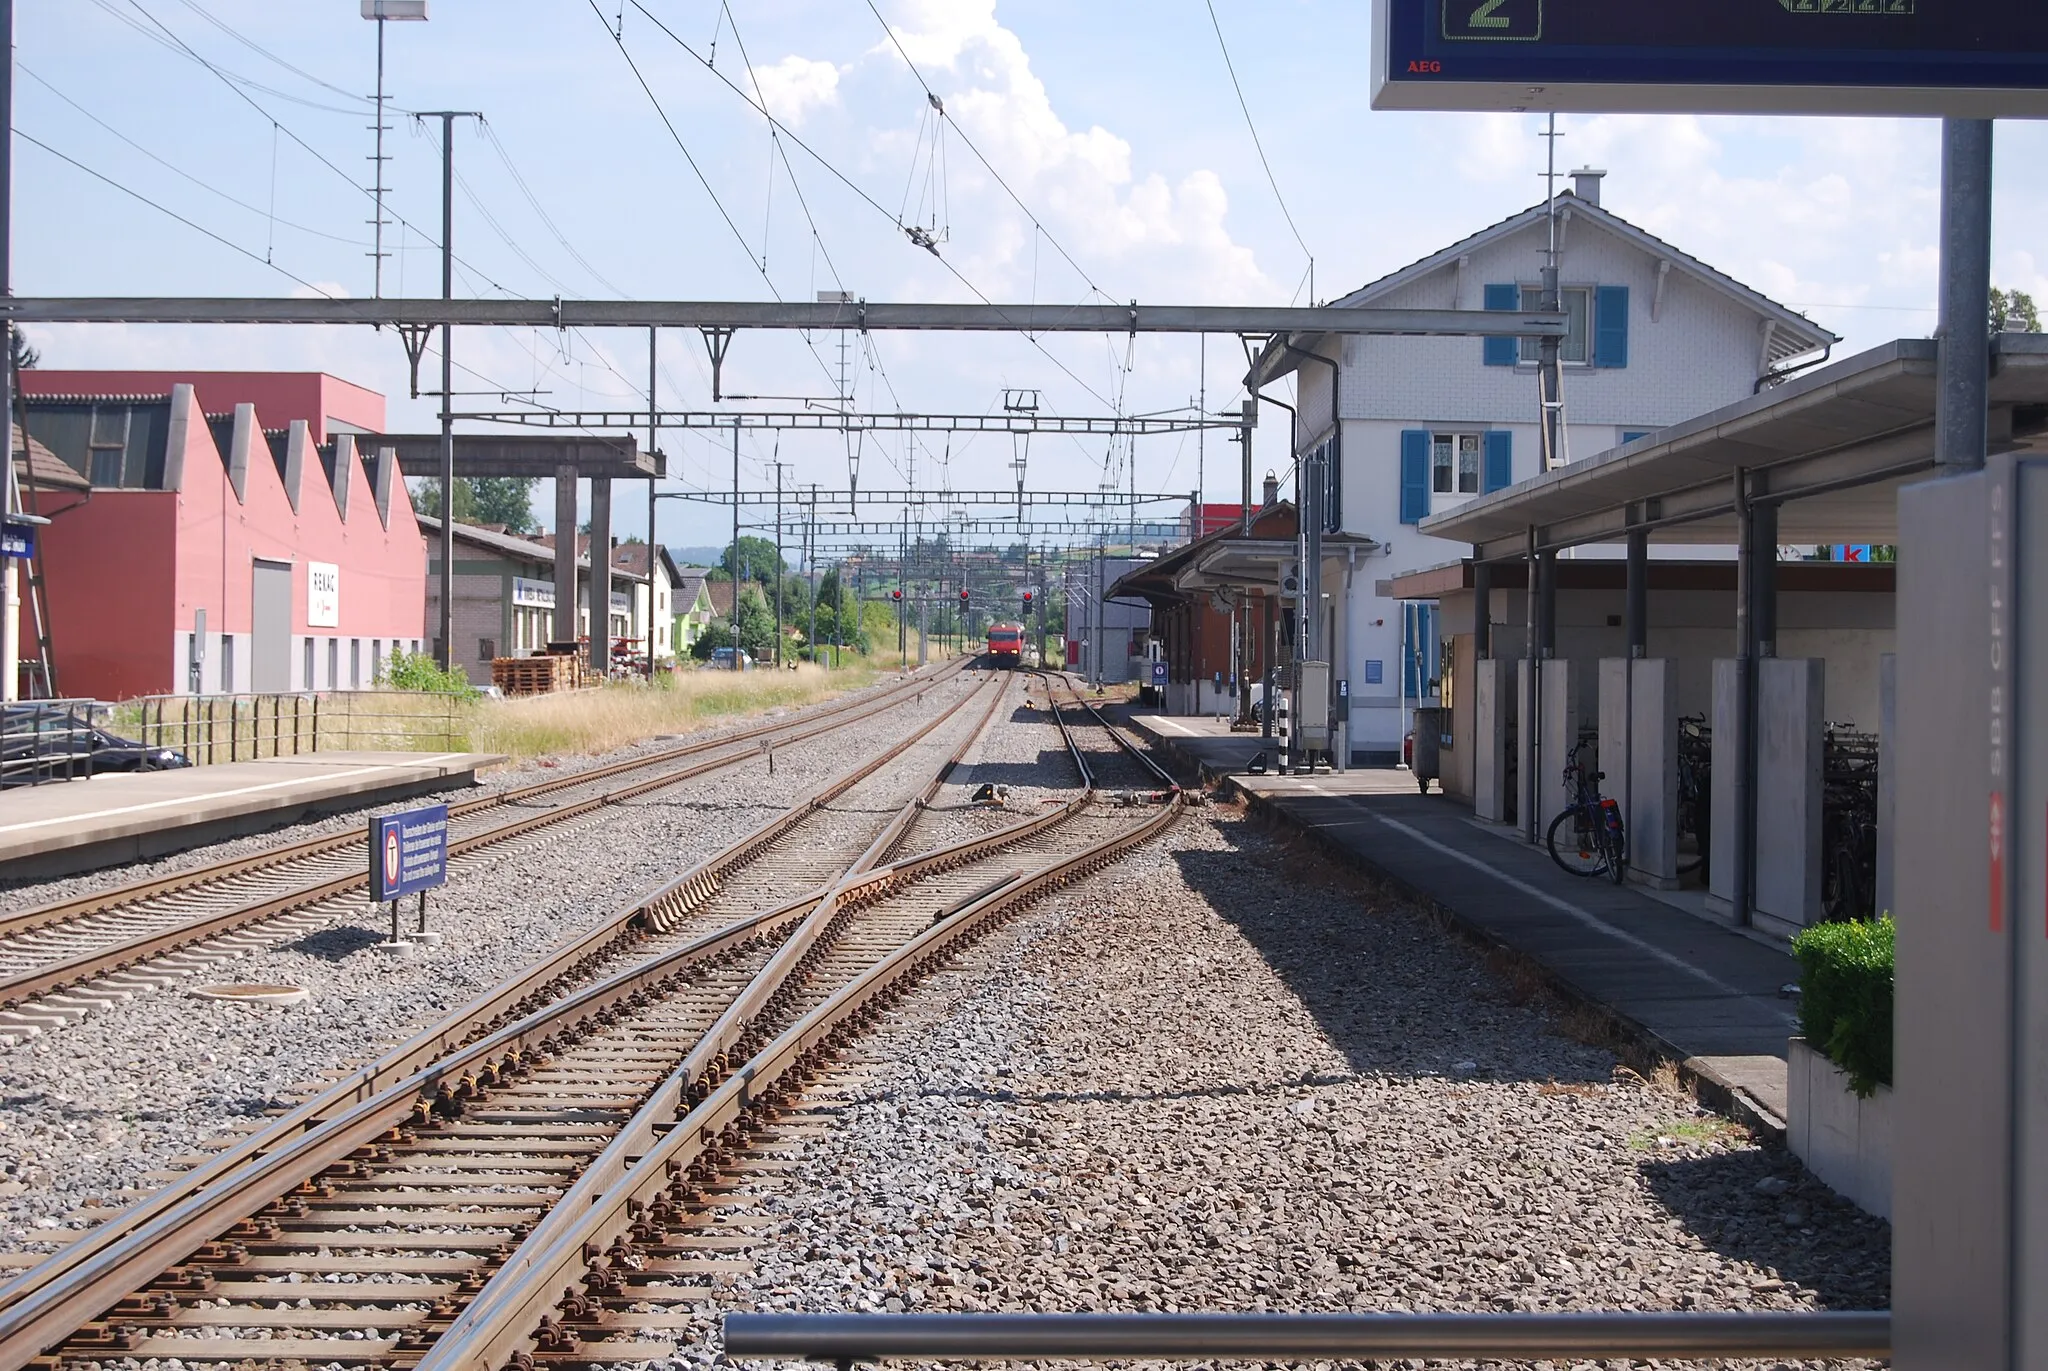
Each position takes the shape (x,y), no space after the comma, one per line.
(1115,125)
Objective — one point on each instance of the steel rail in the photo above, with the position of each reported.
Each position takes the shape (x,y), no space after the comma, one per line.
(862,315)
(86,966)
(576,1246)
(52,1299)
(101,901)
(847,1338)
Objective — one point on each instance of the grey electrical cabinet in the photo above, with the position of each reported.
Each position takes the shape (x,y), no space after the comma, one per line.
(1970,1161)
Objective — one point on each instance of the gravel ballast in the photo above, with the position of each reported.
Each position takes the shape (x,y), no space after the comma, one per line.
(88,1109)
(1221,1076)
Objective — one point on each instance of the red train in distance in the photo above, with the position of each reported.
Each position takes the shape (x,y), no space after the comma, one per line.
(1005,644)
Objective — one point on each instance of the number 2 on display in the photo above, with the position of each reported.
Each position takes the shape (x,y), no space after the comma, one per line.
(1513,21)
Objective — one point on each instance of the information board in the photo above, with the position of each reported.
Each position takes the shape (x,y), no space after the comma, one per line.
(1969,58)
(18,541)
(408,852)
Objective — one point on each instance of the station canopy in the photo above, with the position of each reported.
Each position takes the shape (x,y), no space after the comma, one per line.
(1831,448)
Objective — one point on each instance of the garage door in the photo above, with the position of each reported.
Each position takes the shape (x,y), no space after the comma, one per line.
(270,657)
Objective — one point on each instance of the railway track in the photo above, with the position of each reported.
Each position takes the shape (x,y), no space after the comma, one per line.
(435,1216)
(76,954)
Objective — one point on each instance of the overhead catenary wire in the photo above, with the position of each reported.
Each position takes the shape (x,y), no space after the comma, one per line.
(196,227)
(175,169)
(859,192)
(233,78)
(1257,143)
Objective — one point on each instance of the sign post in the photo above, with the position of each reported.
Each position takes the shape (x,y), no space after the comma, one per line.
(408,856)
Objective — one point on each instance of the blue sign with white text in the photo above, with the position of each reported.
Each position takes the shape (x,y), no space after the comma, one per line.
(17,540)
(1159,674)
(408,852)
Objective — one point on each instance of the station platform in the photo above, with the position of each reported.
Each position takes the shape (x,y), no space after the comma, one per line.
(66,827)
(1689,988)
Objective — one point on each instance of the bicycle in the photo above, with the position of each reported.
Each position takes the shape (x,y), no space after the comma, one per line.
(1586,838)
(1695,788)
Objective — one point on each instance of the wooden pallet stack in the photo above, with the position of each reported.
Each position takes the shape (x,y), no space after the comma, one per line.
(536,675)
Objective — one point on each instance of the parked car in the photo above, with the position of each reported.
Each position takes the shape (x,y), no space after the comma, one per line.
(41,742)
(721,659)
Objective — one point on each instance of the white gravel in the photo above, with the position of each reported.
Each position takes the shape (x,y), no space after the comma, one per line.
(88,1109)
(1219,1076)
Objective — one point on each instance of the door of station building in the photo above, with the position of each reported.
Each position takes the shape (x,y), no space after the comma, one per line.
(270,646)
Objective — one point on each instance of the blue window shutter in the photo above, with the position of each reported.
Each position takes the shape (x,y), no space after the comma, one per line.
(1414,475)
(1610,327)
(1500,461)
(1501,352)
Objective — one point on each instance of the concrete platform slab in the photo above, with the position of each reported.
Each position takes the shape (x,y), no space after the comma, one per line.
(1701,994)
(71,826)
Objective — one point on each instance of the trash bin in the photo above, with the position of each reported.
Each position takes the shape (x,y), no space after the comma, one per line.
(1427,740)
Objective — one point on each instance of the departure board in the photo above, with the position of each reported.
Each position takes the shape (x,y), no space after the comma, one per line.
(1973,58)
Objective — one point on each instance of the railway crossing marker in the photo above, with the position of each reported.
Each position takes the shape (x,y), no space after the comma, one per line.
(408,856)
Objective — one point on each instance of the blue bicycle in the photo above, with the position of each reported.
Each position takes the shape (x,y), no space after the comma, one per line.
(1586,838)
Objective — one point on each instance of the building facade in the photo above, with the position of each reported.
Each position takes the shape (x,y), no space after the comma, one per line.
(1413,427)
(1107,638)
(505,596)
(237,535)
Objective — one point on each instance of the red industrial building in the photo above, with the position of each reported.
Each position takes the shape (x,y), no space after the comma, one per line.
(236,535)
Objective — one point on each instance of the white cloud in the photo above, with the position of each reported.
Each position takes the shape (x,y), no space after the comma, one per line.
(1135,233)
(795,86)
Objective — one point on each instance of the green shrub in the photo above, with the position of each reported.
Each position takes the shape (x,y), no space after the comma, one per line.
(1845,1003)
(416,671)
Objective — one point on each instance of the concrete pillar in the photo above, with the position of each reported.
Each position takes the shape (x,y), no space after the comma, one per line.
(1559,731)
(565,555)
(1652,814)
(1493,705)
(1638,615)
(1482,610)
(1788,770)
(601,574)
(1612,721)
(1527,806)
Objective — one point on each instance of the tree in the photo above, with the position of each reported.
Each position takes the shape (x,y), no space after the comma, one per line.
(757,628)
(756,561)
(506,500)
(25,357)
(503,500)
(2013,309)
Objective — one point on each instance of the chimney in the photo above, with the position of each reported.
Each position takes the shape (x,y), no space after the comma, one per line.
(1586,184)
(1272,491)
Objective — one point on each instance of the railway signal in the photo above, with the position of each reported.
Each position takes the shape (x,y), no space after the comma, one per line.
(897,596)
(1027,602)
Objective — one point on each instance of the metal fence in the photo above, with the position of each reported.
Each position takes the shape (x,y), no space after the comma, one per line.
(209,729)
(48,740)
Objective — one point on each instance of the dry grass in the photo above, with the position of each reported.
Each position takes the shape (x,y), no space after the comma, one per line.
(624,713)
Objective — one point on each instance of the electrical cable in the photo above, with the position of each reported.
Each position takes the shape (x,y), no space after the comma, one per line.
(233,78)
(1271,180)
(262,51)
(166,210)
(939,105)
(870,200)
(27,71)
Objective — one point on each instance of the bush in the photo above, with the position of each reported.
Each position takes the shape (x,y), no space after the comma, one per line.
(1845,1004)
(417,671)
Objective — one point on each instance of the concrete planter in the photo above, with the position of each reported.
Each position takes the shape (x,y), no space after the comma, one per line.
(1845,1141)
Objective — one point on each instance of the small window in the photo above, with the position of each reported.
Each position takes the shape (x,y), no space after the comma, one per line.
(310,682)
(334,663)
(486,648)
(355,664)
(227,663)
(1454,462)
(1578,305)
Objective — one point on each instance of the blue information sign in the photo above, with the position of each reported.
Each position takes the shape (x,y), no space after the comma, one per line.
(1970,58)
(17,540)
(1159,675)
(408,852)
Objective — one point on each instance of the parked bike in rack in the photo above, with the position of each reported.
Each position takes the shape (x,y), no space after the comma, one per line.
(1849,765)
(1586,838)
(1695,789)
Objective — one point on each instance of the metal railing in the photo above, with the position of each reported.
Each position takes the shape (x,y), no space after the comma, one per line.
(209,729)
(847,1338)
(48,740)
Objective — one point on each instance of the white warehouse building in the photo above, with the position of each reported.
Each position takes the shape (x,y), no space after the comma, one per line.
(1421,425)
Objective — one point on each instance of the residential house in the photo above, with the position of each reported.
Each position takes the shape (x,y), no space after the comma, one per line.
(505,596)
(1410,427)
